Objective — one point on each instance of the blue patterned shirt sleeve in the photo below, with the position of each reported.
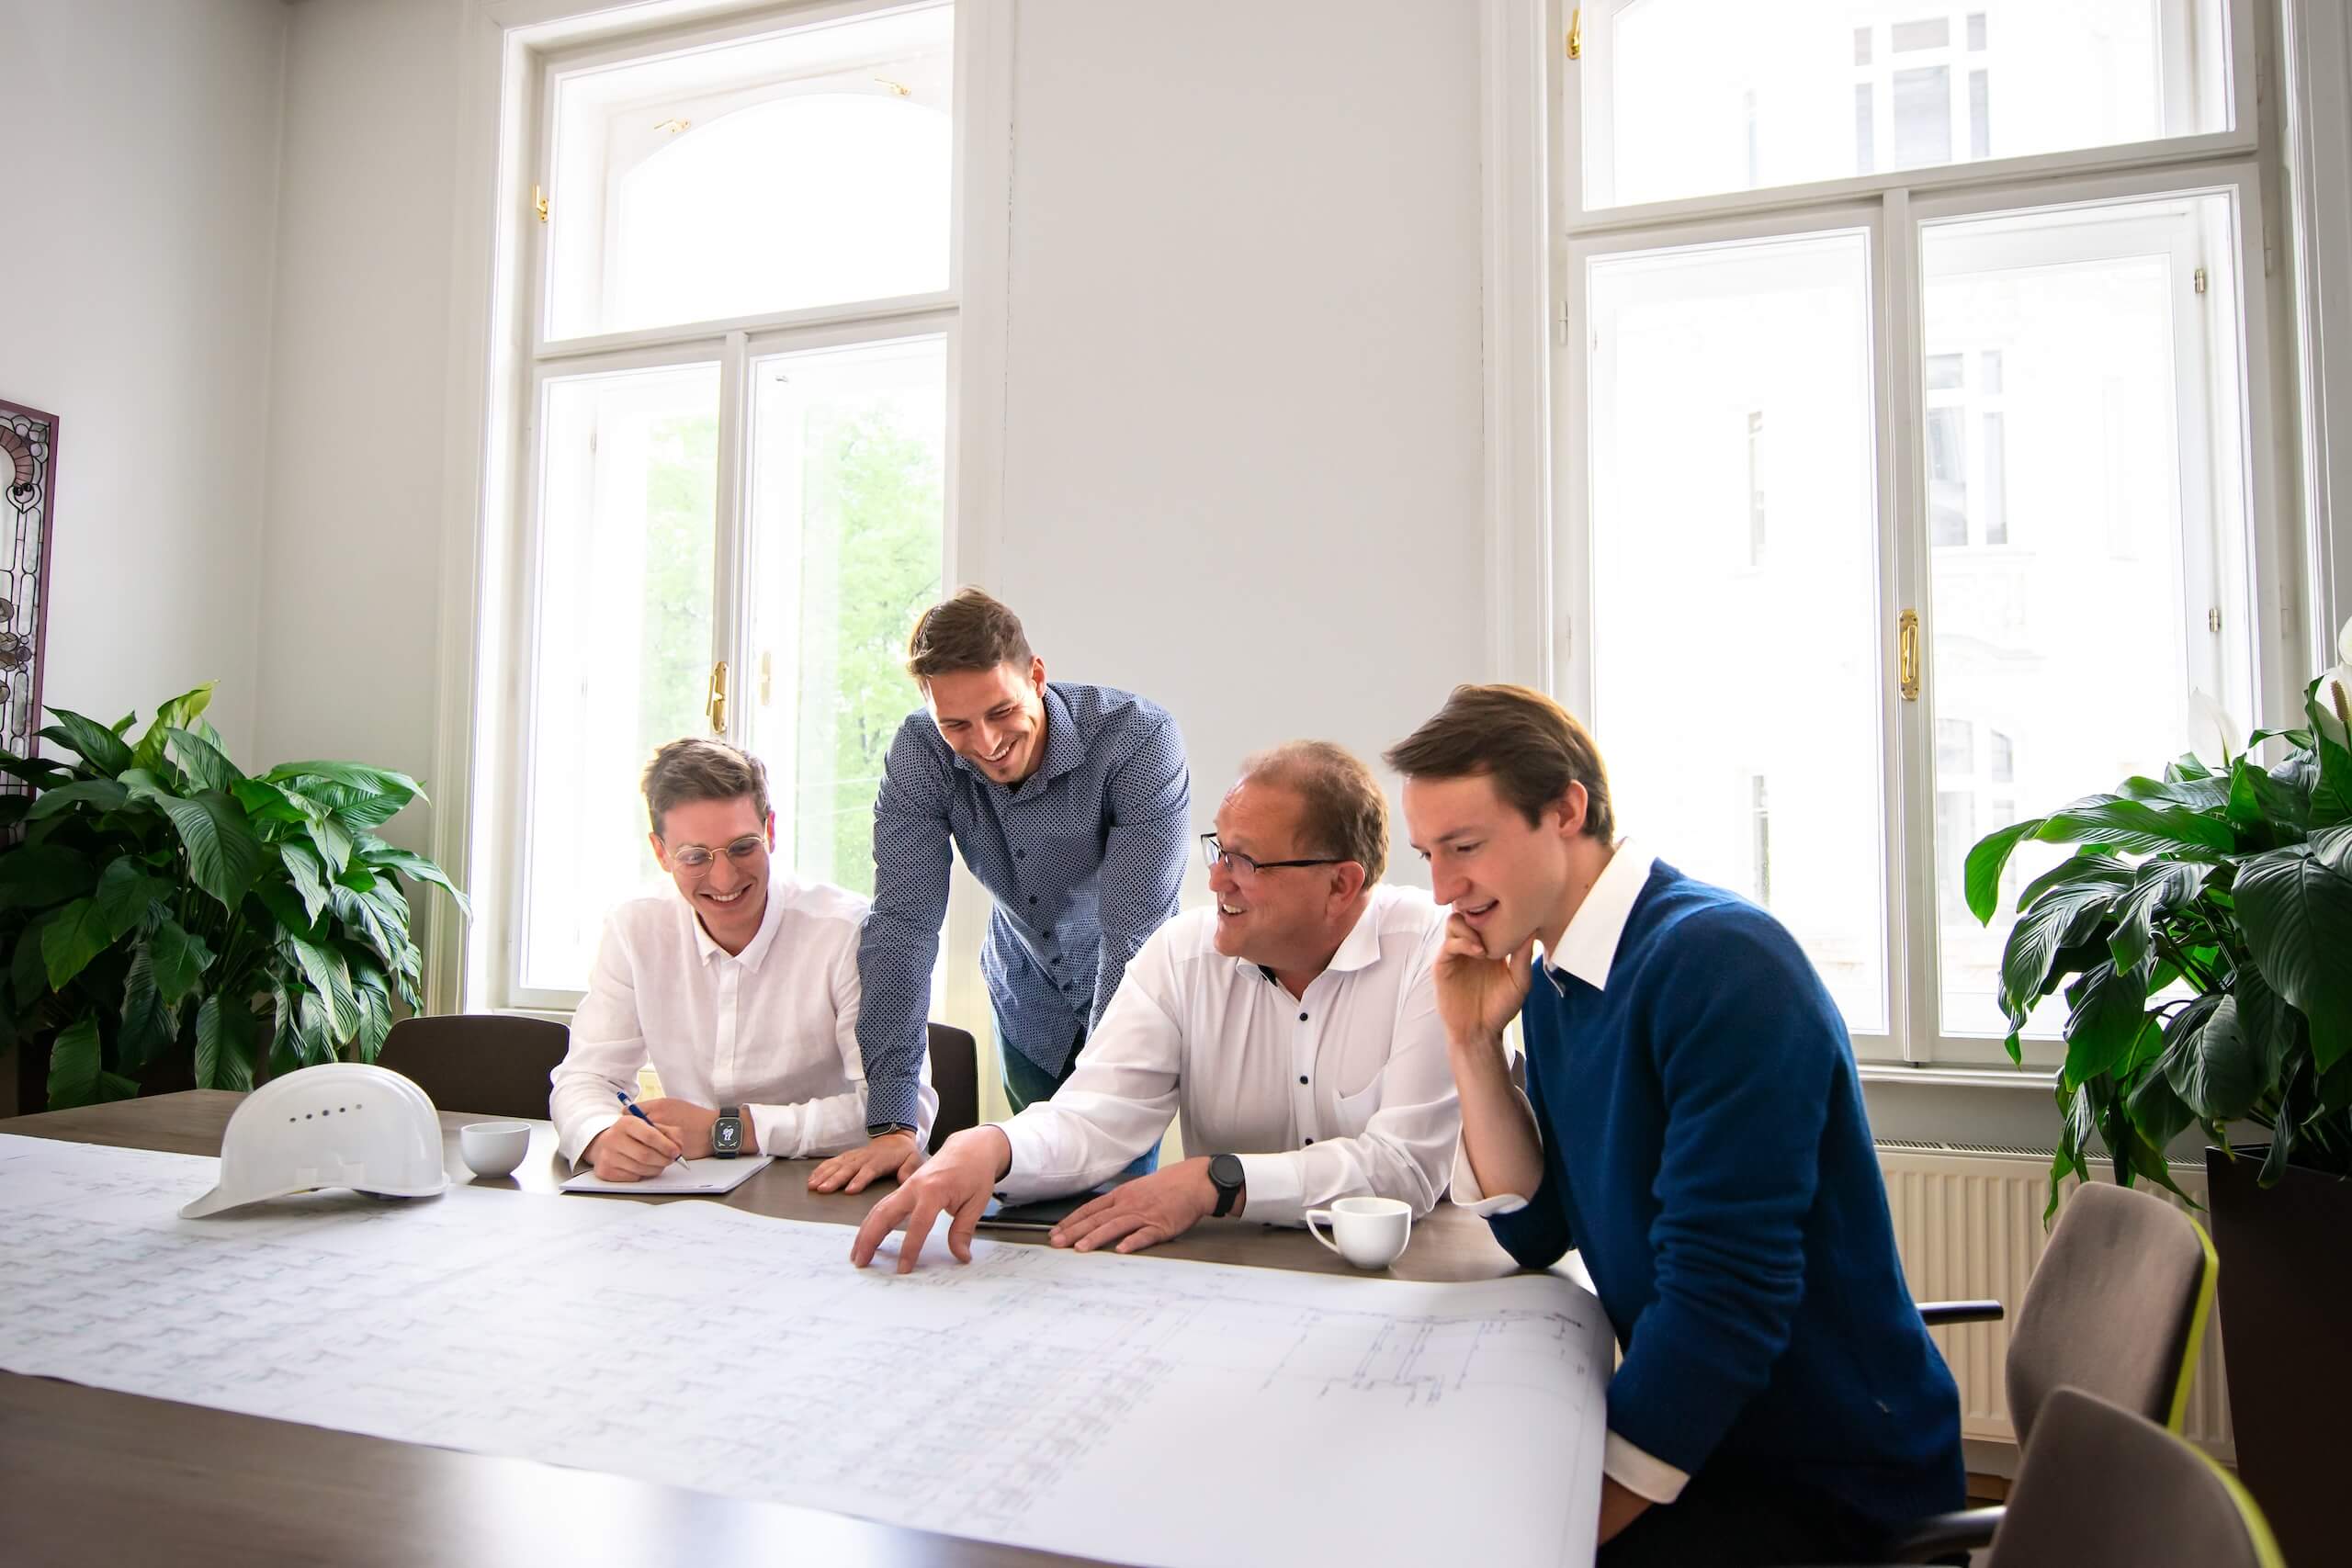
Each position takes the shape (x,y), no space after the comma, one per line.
(900,937)
(1150,800)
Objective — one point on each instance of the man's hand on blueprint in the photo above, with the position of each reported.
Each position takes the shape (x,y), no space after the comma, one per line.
(958,1180)
(1139,1214)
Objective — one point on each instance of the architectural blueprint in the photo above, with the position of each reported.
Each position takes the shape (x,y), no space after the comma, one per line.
(1142,1410)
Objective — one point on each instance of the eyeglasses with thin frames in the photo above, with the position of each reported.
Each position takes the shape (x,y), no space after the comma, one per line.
(1216,854)
(742,851)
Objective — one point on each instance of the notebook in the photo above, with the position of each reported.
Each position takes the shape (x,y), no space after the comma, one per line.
(702,1176)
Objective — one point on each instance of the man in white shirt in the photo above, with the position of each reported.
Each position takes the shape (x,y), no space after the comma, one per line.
(1293,1028)
(741,992)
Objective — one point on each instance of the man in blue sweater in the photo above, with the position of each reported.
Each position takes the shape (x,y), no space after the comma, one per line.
(1693,1127)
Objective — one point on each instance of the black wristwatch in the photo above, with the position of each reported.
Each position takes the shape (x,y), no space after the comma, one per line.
(1225,1175)
(884,1129)
(727,1134)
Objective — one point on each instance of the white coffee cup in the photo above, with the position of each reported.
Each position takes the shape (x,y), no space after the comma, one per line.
(1370,1233)
(493,1148)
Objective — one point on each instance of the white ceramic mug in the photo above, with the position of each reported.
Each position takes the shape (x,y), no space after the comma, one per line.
(1370,1233)
(493,1148)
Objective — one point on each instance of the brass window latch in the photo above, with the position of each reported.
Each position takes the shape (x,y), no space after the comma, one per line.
(715,706)
(1575,33)
(1906,646)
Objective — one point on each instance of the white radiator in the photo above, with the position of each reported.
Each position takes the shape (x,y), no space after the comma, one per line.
(1968,1222)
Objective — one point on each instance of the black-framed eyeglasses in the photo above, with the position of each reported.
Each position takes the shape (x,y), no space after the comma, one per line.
(1216,854)
(694,857)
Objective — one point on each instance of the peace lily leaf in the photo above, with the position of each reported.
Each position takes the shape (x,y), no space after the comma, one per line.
(2158,888)
(225,1045)
(1986,863)
(77,934)
(2064,915)
(205,762)
(95,744)
(416,866)
(180,959)
(104,794)
(2135,825)
(175,714)
(74,1063)
(2298,917)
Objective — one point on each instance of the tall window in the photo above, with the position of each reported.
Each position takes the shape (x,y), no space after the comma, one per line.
(734,469)
(1947,305)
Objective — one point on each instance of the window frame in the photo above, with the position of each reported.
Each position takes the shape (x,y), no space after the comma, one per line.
(1891,207)
(505,717)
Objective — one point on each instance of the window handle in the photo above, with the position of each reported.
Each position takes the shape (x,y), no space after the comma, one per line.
(715,706)
(1906,644)
(1576,32)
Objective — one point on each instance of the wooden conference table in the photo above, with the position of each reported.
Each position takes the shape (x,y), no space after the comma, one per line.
(92,1476)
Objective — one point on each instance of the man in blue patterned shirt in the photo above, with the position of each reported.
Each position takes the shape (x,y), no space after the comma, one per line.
(1072,805)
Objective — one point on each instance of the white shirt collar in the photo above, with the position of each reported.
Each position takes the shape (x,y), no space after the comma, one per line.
(1588,946)
(780,891)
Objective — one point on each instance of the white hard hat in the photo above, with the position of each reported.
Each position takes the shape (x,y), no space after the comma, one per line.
(338,1124)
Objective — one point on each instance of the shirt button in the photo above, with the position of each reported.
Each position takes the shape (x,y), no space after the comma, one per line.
(1302,1018)
(1310,1140)
(1032,900)
(1020,854)
(1301,1077)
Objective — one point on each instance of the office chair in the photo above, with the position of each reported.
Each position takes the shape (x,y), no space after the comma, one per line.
(2116,1307)
(956,1078)
(490,1064)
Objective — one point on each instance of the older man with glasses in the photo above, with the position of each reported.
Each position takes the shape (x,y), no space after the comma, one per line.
(1293,1027)
(742,991)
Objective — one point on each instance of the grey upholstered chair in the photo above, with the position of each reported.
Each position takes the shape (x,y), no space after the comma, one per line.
(488,1064)
(2116,1307)
(2097,1483)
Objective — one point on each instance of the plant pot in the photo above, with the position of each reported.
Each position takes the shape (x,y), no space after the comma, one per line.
(2286,1274)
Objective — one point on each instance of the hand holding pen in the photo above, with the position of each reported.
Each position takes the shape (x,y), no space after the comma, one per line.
(634,1110)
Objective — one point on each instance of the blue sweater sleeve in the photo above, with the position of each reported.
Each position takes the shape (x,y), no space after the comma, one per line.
(901,935)
(1746,1045)
(1538,1236)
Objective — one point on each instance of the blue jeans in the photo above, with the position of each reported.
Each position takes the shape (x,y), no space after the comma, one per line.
(1026,1083)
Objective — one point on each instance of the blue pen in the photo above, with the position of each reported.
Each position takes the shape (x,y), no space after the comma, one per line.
(630,1105)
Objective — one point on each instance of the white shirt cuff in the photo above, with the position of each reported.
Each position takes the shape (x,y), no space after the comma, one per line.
(1639,1473)
(1023,1183)
(1466,1191)
(583,1132)
(777,1127)
(1274,1188)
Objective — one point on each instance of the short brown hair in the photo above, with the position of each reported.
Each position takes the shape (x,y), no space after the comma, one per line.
(1347,815)
(1530,746)
(702,769)
(968,630)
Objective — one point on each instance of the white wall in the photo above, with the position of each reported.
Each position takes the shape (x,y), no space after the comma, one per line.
(135,277)
(351,571)
(1241,404)
(1242,395)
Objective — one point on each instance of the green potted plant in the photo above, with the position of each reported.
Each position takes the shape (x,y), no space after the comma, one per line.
(167,918)
(2203,931)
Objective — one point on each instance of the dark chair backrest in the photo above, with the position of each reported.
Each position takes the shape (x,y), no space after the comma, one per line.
(2116,1307)
(487,1064)
(2099,1484)
(956,1078)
